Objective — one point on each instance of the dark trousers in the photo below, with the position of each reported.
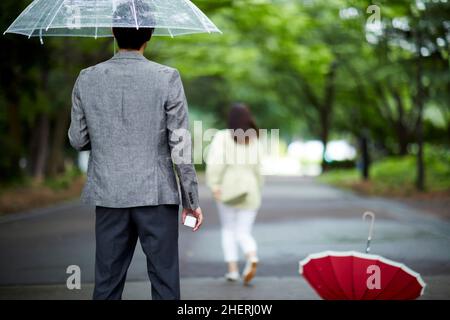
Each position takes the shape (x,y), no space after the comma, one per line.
(116,234)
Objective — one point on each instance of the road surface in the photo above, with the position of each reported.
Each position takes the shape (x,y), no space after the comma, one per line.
(298,216)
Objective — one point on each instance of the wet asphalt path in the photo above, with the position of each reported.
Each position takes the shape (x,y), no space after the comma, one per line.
(298,216)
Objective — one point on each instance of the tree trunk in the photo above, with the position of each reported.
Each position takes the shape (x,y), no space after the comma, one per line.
(365,159)
(56,154)
(400,127)
(403,141)
(39,147)
(326,108)
(420,179)
(324,139)
(14,140)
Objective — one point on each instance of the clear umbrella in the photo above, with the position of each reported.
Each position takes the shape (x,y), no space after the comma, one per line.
(94,18)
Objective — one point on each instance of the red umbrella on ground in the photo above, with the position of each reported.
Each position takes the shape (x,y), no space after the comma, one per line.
(351,275)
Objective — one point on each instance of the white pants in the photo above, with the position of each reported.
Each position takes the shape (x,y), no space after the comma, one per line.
(236,231)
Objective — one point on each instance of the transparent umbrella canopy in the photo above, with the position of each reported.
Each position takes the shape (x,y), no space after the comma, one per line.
(95,18)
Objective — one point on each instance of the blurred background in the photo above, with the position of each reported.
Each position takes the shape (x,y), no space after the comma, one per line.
(360,91)
(369,83)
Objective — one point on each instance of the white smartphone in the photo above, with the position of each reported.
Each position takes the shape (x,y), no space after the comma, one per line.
(190,221)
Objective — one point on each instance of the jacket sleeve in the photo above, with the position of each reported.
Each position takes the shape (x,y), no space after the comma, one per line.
(215,163)
(180,144)
(78,130)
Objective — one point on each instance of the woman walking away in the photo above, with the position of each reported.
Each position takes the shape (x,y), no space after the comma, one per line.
(233,174)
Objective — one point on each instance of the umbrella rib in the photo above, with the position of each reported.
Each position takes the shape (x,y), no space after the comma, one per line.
(193,8)
(336,277)
(96,19)
(27,9)
(37,22)
(333,292)
(376,262)
(46,29)
(135,15)
(387,285)
(54,16)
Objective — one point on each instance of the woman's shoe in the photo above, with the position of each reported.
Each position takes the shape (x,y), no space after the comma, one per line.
(232,276)
(250,270)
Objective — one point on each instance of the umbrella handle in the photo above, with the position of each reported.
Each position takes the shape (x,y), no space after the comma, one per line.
(372,222)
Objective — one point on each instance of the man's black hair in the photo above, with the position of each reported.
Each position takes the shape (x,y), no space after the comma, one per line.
(132,38)
(128,14)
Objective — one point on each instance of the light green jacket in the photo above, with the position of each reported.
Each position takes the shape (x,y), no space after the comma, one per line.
(230,163)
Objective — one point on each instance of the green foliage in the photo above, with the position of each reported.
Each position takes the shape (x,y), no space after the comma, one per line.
(341,177)
(64,180)
(302,67)
(396,175)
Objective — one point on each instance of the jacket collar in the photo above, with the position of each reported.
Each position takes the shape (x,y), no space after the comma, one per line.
(128,55)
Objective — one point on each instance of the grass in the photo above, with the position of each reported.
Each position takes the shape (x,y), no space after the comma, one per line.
(30,194)
(396,176)
(63,181)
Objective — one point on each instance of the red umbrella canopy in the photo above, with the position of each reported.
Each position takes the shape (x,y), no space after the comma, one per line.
(353,275)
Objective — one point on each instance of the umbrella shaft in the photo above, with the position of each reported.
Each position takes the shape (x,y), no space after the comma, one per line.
(368,246)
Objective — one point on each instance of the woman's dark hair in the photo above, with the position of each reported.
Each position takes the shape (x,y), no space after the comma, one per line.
(240,120)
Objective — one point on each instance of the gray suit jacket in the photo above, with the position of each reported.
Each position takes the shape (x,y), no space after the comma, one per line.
(127,111)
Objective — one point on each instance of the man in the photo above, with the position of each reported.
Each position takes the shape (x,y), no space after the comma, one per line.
(129,112)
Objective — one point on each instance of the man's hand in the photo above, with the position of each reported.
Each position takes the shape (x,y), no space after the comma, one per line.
(197,213)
